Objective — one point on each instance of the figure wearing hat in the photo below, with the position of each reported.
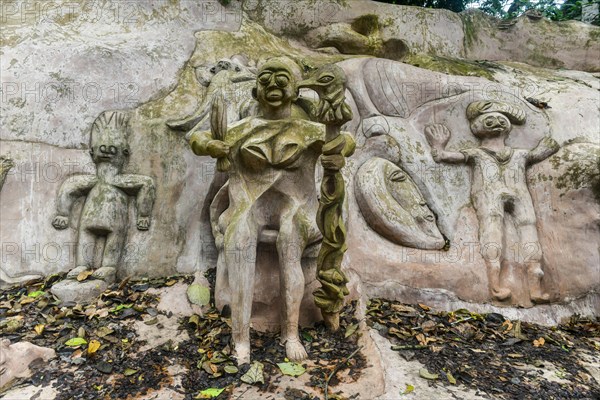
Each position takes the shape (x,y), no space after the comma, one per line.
(498,188)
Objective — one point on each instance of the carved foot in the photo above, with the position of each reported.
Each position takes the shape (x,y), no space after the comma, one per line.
(106,274)
(72,274)
(242,353)
(332,321)
(294,350)
(501,294)
(540,298)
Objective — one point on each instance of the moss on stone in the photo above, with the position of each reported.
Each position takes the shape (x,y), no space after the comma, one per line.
(367,24)
(581,172)
(449,66)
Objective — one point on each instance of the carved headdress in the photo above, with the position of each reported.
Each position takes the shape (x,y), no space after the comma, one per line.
(513,112)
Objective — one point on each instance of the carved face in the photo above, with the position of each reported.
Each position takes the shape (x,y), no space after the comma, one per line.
(490,125)
(108,145)
(236,71)
(275,85)
(393,206)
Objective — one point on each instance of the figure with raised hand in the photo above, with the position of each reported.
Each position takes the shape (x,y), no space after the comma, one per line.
(498,188)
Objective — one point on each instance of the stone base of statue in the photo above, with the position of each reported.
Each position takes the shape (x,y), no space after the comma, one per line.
(71,290)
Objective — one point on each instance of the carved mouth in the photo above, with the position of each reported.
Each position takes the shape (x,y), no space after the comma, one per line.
(274,95)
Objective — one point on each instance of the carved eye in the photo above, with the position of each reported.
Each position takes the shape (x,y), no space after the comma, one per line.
(125,152)
(281,80)
(325,79)
(397,176)
(489,122)
(213,70)
(264,78)
(237,69)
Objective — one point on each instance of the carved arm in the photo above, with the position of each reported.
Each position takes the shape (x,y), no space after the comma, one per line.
(203,144)
(146,193)
(545,148)
(71,189)
(438,136)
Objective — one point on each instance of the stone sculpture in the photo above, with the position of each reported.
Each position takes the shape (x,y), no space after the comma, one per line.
(231,78)
(329,82)
(499,189)
(16,358)
(272,197)
(393,206)
(104,218)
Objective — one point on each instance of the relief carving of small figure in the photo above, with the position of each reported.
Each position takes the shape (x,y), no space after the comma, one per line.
(503,192)
(104,218)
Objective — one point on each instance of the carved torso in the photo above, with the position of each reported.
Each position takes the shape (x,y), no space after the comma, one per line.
(105,208)
(273,169)
(499,180)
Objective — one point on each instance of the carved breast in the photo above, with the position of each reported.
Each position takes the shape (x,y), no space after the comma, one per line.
(278,144)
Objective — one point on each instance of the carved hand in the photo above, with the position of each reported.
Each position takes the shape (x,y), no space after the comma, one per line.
(60,222)
(143,223)
(217,148)
(437,135)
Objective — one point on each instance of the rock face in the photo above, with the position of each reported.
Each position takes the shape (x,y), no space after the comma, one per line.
(165,67)
(16,358)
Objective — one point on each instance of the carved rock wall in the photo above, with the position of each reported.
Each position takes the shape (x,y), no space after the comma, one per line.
(171,46)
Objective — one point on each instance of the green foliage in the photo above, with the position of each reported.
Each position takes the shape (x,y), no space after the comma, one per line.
(556,10)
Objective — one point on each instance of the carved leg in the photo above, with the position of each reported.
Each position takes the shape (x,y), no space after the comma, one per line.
(240,258)
(532,253)
(85,253)
(490,237)
(111,257)
(289,248)
(222,288)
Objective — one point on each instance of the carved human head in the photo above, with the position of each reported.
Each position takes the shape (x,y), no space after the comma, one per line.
(108,141)
(276,83)
(237,67)
(493,118)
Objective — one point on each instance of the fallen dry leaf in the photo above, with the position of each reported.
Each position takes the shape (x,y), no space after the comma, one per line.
(93,347)
(84,275)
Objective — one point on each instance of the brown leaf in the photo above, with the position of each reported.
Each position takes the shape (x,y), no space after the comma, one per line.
(428,326)
(83,275)
(539,342)
(403,308)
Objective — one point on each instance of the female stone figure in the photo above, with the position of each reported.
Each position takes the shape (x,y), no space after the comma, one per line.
(272,193)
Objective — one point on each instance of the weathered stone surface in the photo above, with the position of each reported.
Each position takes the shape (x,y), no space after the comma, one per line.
(71,290)
(471,35)
(90,57)
(389,100)
(16,358)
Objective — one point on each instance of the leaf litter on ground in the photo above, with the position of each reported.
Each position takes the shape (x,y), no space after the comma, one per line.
(99,354)
(491,354)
